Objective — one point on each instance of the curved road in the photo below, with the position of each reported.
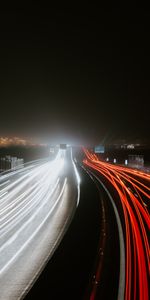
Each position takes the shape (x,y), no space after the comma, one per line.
(131,203)
(37,204)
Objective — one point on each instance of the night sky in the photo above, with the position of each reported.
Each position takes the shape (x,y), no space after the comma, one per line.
(75,74)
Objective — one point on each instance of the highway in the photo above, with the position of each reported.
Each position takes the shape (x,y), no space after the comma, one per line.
(37,204)
(129,194)
(66,275)
(50,239)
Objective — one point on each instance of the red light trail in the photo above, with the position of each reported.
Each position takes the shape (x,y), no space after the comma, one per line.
(134,197)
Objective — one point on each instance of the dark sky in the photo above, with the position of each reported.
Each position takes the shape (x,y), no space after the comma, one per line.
(75,74)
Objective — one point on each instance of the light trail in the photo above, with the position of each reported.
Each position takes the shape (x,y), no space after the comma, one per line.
(36,206)
(134,193)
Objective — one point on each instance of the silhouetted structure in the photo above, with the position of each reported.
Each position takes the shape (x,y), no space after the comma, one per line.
(10,162)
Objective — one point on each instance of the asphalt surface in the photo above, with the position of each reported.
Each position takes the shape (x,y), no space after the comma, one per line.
(68,266)
(109,251)
(69,271)
(129,193)
(36,206)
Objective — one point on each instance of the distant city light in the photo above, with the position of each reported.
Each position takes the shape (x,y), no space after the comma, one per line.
(10,141)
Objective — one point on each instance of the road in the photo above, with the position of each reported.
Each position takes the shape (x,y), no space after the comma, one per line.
(67,274)
(37,204)
(129,194)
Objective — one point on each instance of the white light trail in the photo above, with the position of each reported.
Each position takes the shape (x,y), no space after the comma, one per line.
(33,204)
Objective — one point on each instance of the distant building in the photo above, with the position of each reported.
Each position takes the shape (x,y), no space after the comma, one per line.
(131,146)
(123,144)
(10,163)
